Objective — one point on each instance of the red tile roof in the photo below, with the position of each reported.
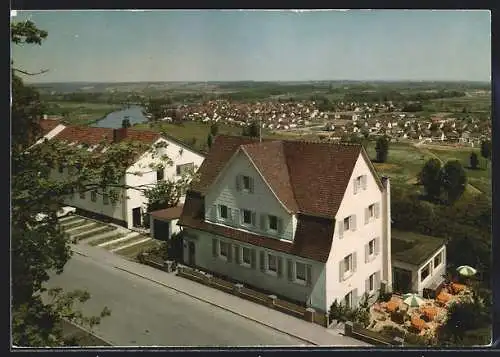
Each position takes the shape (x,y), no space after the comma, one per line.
(168,213)
(309,178)
(93,135)
(47,125)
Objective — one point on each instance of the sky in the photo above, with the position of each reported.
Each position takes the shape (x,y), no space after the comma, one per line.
(215,45)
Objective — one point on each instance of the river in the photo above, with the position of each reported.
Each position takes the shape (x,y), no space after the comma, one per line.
(114,119)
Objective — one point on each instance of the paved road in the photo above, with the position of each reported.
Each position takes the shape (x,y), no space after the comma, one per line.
(146,314)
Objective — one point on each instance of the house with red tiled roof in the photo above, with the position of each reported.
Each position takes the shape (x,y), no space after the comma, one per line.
(129,209)
(306,221)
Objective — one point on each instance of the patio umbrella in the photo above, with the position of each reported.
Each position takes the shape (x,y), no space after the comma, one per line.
(413,300)
(466,270)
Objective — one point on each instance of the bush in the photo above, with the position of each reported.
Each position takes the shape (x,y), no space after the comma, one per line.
(160,251)
(392,332)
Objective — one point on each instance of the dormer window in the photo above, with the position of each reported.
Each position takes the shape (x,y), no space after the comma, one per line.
(223,212)
(244,183)
(273,222)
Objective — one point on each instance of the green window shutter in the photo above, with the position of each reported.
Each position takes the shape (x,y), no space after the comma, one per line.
(290,269)
(254,259)
(280,267)
(262,260)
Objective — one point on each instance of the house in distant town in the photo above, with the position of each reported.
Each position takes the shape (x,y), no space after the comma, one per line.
(128,210)
(306,221)
(418,262)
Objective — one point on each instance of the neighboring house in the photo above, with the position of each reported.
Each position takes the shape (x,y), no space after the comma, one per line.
(418,262)
(48,129)
(128,210)
(306,221)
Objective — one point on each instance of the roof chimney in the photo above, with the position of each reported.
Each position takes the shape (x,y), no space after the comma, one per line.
(119,134)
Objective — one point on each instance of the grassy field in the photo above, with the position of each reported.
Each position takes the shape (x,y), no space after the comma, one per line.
(476,103)
(80,113)
(479,178)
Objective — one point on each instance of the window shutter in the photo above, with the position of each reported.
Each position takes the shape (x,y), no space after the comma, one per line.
(263,218)
(251,185)
(377,209)
(367,252)
(253,259)
(229,216)
(377,245)
(363,181)
(214,212)
(214,247)
(367,285)
(262,260)
(355,297)
(238,182)
(341,270)
(377,280)
(367,215)
(352,224)
(341,229)
(280,225)
(354,261)
(236,216)
(237,254)
(290,269)
(254,219)
(308,275)
(229,252)
(280,267)
(355,185)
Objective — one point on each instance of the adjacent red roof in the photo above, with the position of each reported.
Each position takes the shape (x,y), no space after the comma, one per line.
(309,178)
(93,135)
(168,213)
(47,125)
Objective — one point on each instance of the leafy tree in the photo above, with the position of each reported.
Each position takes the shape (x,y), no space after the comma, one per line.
(252,130)
(430,178)
(454,180)
(156,108)
(214,129)
(473,161)
(382,149)
(486,149)
(210,140)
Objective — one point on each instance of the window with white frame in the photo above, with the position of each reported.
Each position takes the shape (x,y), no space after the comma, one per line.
(273,222)
(348,267)
(272,263)
(247,183)
(371,283)
(359,182)
(224,249)
(246,256)
(223,212)
(300,271)
(181,169)
(371,211)
(438,259)
(247,216)
(347,223)
(348,299)
(425,272)
(371,248)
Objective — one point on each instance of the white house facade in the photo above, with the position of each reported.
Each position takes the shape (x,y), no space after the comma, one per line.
(129,208)
(304,221)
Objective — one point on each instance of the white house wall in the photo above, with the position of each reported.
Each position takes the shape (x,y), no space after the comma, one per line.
(355,241)
(178,155)
(261,200)
(314,294)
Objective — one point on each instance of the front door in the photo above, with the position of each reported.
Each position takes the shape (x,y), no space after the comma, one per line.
(136,217)
(191,254)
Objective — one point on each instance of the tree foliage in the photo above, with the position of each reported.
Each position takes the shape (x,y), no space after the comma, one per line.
(430,178)
(252,130)
(454,180)
(210,140)
(486,149)
(473,161)
(157,108)
(382,149)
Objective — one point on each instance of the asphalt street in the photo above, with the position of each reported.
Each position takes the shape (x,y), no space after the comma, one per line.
(146,314)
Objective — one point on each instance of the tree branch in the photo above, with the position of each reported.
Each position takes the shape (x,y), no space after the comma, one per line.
(30,73)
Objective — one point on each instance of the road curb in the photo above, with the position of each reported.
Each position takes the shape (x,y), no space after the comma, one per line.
(216,305)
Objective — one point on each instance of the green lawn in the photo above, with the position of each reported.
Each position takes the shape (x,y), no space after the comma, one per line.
(80,113)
